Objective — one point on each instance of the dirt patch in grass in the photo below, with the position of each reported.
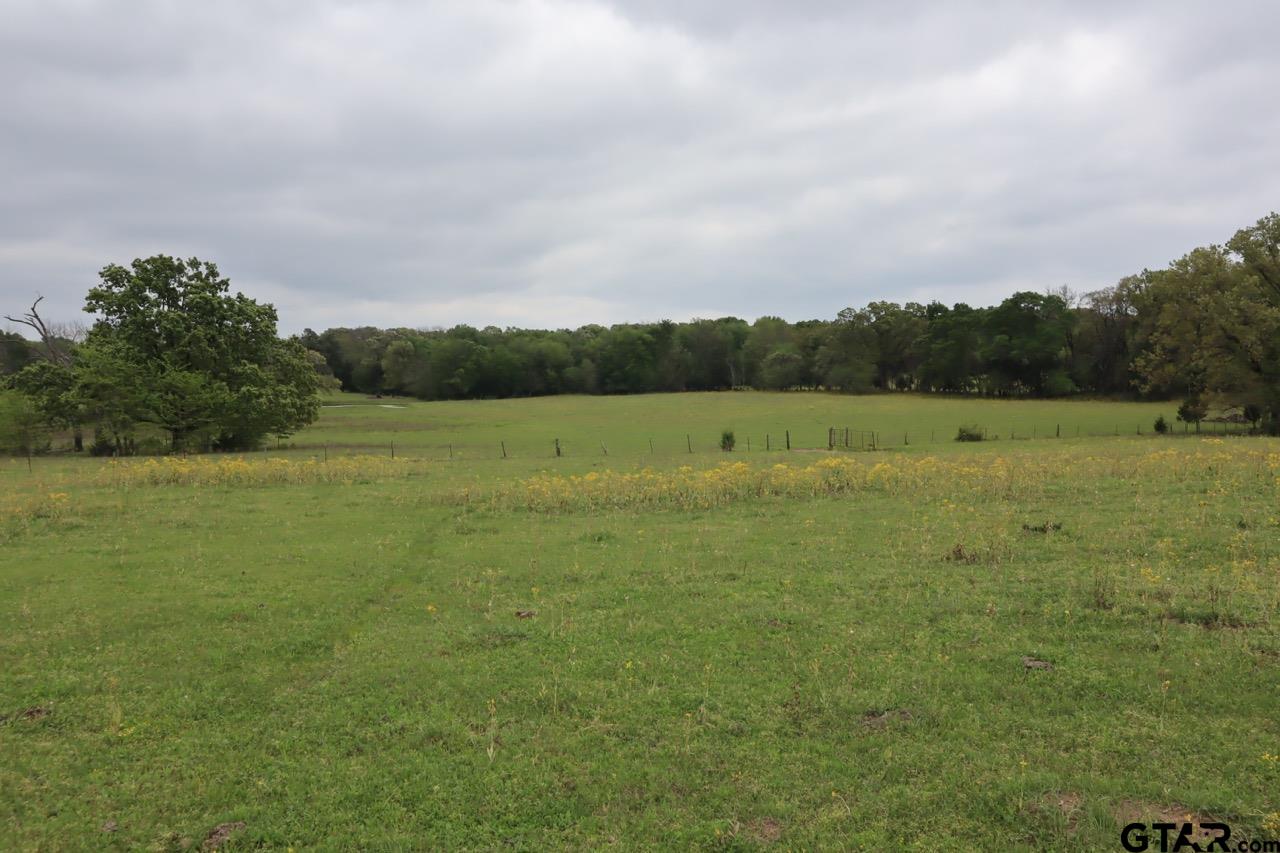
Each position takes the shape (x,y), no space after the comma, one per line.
(1034,663)
(1064,805)
(765,830)
(1143,811)
(220,833)
(35,712)
(879,719)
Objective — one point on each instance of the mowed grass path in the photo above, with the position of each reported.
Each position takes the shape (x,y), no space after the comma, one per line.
(342,666)
(625,425)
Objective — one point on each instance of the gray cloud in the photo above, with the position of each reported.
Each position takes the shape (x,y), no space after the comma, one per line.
(557,162)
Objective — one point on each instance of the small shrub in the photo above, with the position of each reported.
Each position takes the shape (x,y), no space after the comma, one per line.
(727,441)
(1193,411)
(970,433)
(23,430)
(1161,425)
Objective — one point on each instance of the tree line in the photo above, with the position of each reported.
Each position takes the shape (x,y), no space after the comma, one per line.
(1205,330)
(173,350)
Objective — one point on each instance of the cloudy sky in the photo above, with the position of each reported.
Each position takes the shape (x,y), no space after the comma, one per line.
(557,162)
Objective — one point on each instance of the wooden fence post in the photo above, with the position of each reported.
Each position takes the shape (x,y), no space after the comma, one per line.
(504,449)
(788,439)
(557,448)
(688,442)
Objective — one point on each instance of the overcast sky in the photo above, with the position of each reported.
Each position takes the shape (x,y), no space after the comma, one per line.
(558,162)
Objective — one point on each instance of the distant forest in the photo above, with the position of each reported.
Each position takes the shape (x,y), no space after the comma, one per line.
(173,348)
(1208,326)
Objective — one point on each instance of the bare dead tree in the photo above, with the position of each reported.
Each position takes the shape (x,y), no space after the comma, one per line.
(1064,292)
(54,338)
(72,331)
(51,335)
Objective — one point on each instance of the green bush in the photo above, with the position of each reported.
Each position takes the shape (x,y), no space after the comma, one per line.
(727,441)
(971,433)
(23,430)
(1161,425)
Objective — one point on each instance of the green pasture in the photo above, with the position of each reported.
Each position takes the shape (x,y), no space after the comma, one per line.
(384,665)
(625,425)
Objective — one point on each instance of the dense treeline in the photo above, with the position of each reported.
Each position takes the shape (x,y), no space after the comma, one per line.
(1206,330)
(173,349)
(1030,344)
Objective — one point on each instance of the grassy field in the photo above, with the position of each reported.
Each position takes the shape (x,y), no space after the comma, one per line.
(1003,645)
(478,429)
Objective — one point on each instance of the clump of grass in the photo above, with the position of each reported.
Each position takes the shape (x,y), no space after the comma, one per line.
(21,512)
(960,554)
(970,432)
(1047,527)
(727,441)
(37,506)
(1102,590)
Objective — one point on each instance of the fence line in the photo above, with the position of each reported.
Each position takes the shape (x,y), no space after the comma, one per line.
(838,439)
(842,438)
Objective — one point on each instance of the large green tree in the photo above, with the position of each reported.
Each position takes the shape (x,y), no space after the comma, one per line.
(1027,345)
(899,332)
(950,349)
(16,353)
(1210,323)
(174,348)
(847,357)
